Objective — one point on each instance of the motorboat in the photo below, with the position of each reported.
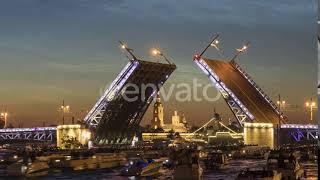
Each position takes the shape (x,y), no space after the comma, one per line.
(251,152)
(187,165)
(215,160)
(32,169)
(259,174)
(287,163)
(98,161)
(142,168)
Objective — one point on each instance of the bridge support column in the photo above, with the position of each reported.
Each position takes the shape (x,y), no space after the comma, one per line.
(261,134)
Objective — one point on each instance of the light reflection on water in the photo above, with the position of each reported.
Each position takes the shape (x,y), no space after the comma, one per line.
(232,170)
(311,170)
(235,166)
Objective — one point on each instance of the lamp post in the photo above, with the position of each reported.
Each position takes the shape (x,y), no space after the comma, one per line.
(312,105)
(157,52)
(64,108)
(239,51)
(280,103)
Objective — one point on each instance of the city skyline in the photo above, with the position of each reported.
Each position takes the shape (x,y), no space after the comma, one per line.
(55,50)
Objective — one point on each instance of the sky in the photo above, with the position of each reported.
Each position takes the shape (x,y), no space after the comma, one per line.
(68,49)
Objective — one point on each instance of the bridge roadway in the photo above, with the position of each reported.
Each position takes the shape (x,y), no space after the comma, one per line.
(250,97)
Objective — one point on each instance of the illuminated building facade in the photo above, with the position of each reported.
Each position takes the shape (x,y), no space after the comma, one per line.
(71,136)
(2,120)
(178,124)
(157,120)
(261,134)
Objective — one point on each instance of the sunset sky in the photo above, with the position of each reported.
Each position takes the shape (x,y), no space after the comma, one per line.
(68,49)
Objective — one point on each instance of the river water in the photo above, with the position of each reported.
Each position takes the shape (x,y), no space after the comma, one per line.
(230,172)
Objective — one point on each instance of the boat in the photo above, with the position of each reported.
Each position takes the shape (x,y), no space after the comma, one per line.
(34,169)
(251,152)
(142,168)
(85,163)
(215,160)
(259,175)
(37,169)
(193,172)
(98,161)
(187,165)
(287,163)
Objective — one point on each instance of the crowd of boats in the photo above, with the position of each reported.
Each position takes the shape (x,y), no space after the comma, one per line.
(184,163)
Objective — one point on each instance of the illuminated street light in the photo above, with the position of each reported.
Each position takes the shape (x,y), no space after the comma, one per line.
(129,50)
(215,44)
(65,109)
(312,105)
(239,51)
(242,49)
(157,52)
(282,102)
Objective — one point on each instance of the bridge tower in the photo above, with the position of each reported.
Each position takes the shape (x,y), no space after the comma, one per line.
(157,120)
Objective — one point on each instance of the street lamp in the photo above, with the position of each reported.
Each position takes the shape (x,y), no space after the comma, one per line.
(281,103)
(157,52)
(312,105)
(215,44)
(129,50)
(65,109)
(241,50)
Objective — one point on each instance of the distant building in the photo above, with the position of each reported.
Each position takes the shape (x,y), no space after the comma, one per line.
(178,124)
(2,121)
(72,136)
(157,120)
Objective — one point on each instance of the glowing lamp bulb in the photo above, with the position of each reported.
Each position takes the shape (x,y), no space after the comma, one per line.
(155,52)
(123,46)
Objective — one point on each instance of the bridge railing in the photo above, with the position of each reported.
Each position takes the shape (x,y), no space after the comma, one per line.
(261,92)
(30,134)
